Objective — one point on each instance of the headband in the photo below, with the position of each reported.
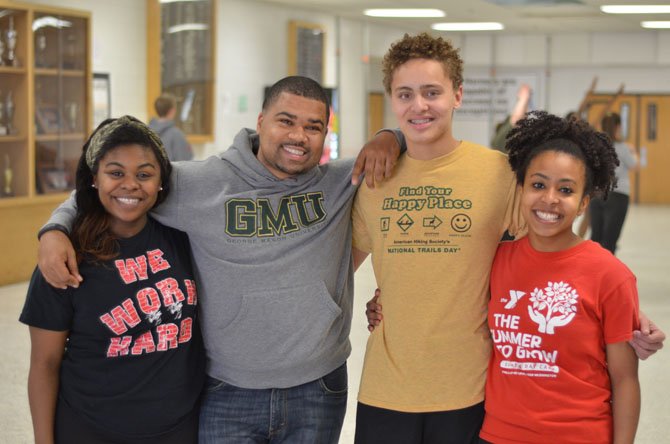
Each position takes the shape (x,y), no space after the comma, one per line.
(103,134)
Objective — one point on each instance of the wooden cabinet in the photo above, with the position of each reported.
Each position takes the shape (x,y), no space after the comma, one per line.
(45,117)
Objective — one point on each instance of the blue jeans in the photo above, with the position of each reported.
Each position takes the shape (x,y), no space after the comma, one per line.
(305,414)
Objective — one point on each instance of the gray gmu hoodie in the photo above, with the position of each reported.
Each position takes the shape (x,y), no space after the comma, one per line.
(273,264)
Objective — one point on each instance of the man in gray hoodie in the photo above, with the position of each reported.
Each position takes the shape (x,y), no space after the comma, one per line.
(173,138)
(271,237)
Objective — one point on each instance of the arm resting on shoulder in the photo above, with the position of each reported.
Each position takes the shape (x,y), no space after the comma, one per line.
(622,367)
(62,217)
(46,355)
(56,258)
(378,157)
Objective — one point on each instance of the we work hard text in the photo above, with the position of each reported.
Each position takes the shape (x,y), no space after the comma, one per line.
(160,298)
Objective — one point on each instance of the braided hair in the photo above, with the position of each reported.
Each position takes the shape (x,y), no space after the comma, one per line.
(540,131)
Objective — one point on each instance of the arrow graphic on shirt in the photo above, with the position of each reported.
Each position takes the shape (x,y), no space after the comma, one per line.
(432,222)
(405,222)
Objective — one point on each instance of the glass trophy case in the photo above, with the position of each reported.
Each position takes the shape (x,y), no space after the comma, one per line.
(61,85)
(44,71)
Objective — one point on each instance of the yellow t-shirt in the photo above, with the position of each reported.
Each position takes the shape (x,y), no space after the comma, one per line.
(433,230)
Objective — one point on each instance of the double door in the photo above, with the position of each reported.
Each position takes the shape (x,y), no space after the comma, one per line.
(646,126)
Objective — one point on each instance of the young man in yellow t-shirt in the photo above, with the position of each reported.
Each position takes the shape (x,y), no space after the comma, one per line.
(432,230)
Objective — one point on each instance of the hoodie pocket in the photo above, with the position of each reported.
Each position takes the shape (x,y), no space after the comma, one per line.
(282,327)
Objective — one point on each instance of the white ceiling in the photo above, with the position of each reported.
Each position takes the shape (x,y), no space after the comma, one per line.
(518,16)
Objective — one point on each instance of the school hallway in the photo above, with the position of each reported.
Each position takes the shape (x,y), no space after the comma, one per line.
(644,247)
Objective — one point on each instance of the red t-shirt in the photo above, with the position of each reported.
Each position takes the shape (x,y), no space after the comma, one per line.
(551,316)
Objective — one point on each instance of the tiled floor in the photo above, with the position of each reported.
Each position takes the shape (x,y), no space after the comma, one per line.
(645,247)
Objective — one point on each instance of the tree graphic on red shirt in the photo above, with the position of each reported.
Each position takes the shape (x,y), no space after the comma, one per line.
(555,306)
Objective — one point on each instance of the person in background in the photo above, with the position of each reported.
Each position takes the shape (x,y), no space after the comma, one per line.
(573,375)
(164,125)
(595,120)
(519,110)
(608,216)
(119,359)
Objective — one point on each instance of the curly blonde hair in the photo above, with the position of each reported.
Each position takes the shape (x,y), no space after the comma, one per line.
(423,46)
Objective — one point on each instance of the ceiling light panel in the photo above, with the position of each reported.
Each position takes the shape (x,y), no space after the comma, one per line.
(470,26)
(656,25)
(636,9)
(405,13)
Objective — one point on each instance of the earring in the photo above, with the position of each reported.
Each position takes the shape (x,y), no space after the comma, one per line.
(160,189)
(92,185)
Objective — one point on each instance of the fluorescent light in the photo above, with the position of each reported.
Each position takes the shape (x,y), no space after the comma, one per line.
(405,13)
(471,26)
(48,20)
(187,27)
(656,25)
(636,9)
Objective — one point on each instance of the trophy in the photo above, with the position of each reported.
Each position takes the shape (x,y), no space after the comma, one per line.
(3,128)
(9,110)
(2,50)
(11,35)
(40,50)
(70,56)
(8,174)
(72,113)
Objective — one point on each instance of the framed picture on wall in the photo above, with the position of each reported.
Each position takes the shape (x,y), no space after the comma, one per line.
(102,98)
(306,50)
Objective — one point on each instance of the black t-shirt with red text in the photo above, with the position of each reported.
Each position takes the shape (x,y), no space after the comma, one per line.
(134,359)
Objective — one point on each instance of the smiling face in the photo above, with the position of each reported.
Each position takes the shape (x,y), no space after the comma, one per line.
(291,133)
(552,197)
(423,100)
(128,181)
(461,222)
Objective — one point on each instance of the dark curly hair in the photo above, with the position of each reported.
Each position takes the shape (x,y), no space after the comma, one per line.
(540,131)
(423,46)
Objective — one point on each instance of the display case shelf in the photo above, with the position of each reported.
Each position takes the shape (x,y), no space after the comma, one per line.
(60,72)
(12,70)
(11,139)
(59,137)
